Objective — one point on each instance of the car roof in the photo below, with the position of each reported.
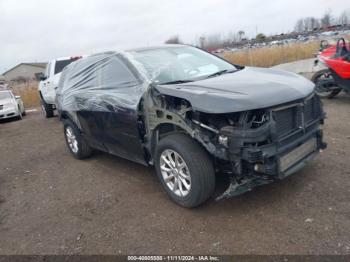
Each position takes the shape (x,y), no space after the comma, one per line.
(155,47)
(139,49)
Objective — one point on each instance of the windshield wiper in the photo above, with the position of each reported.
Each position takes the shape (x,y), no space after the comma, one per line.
(176,82)
(221,72)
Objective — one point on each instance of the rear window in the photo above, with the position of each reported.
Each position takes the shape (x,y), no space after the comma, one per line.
(60,65)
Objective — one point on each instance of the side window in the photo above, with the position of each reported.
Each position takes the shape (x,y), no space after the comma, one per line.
(115,74)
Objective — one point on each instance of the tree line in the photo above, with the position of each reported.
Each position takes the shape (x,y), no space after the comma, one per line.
(305,24)
(311,23)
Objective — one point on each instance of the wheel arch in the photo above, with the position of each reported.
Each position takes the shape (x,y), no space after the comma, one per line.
(164,129)
(65,116)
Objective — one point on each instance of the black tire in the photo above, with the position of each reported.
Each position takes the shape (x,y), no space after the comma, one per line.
(20,115)
(83,148)
(321,94)
(47,109)
(200,166)
(24,113)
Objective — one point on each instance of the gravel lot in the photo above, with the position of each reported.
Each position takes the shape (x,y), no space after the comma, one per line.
(51,203)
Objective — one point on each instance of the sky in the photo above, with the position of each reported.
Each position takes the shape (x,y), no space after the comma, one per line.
(40,30)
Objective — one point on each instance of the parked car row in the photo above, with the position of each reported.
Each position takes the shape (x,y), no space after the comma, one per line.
(189,114)
(285,41)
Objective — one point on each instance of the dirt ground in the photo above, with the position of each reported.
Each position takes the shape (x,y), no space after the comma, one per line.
(51,203)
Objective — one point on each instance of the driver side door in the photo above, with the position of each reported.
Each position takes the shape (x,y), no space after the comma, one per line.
(116,115)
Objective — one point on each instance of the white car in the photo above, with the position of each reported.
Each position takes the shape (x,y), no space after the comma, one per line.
(10,105)
(49,82)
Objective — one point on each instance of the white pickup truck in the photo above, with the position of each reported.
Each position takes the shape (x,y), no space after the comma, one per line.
(49,82)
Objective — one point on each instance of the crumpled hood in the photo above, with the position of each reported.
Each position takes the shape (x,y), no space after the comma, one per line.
(247,89)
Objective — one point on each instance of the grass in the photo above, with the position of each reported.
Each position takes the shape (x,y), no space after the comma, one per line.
(270,56)
(29,93)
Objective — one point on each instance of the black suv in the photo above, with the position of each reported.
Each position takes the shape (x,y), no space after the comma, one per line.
(191,114)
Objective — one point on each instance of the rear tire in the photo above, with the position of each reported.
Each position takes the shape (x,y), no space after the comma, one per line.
(76,143)
(46,109)
(324,94)
(192,164)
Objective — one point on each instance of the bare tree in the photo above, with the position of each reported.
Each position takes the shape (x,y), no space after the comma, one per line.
(241,33)
(214,41)
(314,23)
(299,26)
(202,41)
(326,20)
(344,18)
(173,40)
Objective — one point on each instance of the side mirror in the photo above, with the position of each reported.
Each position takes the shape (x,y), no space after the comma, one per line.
(18,97)
(41,76)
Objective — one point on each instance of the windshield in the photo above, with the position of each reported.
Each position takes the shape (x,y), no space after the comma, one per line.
(5,95)
(183,63)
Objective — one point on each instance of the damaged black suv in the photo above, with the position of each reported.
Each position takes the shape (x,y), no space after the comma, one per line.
(191,114)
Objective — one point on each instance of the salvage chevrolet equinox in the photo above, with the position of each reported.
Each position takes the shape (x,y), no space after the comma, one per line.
(191,114)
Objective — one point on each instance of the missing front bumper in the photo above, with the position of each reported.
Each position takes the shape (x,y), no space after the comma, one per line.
(280,165)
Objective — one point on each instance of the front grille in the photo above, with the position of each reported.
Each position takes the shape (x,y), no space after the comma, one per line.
(296,117)
(287,120)
(312,109)
(1,107)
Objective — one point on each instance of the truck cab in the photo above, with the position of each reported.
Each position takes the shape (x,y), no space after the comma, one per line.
(49,82)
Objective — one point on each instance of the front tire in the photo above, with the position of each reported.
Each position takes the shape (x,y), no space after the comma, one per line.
(185,170)
(20,116)
(76,143)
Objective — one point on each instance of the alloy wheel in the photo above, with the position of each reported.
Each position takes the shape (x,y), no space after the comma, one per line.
(175,173)
(72,140)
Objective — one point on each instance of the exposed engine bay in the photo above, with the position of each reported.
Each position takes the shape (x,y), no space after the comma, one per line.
(248,146)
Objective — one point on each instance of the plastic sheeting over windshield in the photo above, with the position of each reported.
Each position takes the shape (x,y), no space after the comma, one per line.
(102,82)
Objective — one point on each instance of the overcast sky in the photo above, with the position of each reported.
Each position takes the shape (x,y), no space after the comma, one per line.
(39,30)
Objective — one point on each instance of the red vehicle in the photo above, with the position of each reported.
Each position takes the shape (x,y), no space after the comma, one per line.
(331,81)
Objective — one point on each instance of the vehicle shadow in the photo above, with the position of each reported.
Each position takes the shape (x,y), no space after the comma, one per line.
(8,120)
(278,191)
(343,98)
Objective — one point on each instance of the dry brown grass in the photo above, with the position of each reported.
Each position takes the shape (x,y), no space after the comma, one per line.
(29,93)
(270,56)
